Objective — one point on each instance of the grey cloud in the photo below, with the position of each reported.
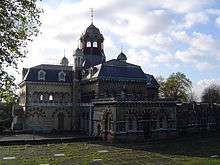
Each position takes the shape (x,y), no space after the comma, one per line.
(66,37)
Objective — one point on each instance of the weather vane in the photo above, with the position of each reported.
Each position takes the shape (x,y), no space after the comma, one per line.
(92,14)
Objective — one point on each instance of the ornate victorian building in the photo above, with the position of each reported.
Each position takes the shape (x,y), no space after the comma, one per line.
(112,99)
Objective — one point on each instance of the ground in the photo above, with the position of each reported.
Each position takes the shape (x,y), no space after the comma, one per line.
(184,151)
(20,137)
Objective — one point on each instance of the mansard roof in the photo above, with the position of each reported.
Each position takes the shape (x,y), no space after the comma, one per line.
(52,72)
(151,81)
(120,70)
(116,69)
(55,67)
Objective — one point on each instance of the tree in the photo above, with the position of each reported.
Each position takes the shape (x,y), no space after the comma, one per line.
(193,97)
(176,86)
(211,94)
(19,22)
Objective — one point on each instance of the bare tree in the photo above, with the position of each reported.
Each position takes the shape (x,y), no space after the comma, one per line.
(211,94)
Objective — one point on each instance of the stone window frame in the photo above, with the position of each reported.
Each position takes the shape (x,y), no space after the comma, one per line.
(88,44)
(60,74)
(41,75)
(95,44)
(41,97)
(140,125)
(121,126)
(50,98)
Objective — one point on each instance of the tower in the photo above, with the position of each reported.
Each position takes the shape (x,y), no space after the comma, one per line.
(91,43)
(78,59)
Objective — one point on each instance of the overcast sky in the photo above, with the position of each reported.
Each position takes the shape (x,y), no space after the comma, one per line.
(162,36)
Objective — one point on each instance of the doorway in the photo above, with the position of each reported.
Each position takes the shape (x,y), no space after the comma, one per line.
(60,117)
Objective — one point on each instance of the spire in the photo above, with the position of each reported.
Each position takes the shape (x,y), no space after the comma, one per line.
(92,15)
(64,61)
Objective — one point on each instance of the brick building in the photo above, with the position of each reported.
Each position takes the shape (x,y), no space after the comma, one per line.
(110,99)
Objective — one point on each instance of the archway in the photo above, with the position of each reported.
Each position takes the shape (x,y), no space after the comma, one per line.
(107,118)
(60,118)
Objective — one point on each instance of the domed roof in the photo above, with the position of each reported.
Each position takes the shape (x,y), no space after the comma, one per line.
(92,29)
(122,57)
(64,61)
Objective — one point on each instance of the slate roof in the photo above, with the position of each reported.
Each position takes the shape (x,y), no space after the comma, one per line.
(120,70)
(92,30)
(116,69)
(55,67)
(151,81)
(92,60)
(52,71)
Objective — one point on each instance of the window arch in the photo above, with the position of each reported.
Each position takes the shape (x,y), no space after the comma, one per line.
(79,61)
(41,75)
(62,76)
(41,97)
(88,44)
(95,44)
(50,97)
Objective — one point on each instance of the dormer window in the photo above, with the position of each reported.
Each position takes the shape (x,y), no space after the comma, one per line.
(62,76)
(41,75)
(95,44)
(88,44)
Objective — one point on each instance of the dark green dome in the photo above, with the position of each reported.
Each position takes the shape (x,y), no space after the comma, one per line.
(122,57)
(92,30)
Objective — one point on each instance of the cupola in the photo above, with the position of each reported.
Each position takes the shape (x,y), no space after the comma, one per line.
(122,57)
(64,61)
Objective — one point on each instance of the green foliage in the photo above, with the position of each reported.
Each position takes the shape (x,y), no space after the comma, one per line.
(188,151)
(7,87)
(19,22)
(176,86)
(211,94)
(5,116)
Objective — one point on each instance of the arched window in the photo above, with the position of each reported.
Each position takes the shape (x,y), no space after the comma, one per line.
(50,97)
(76,62)
(41,75)
(88,44)
(62,76)
(79,61)
(102,47)
(41,97)
(95,44)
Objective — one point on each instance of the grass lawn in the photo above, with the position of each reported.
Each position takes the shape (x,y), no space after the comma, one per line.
(185,151)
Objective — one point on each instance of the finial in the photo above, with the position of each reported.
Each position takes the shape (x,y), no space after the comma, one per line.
(64,52)
(92,15)
(121,48)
